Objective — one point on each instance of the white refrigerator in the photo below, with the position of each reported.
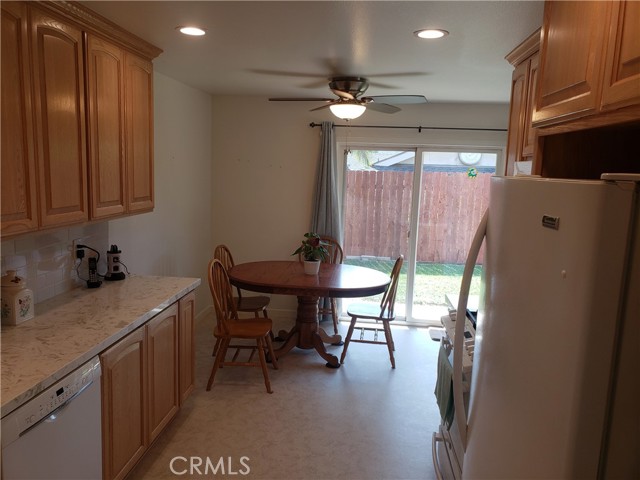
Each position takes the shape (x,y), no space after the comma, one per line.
(555,386)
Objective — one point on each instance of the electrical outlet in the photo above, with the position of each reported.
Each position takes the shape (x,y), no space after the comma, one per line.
(74,243)
(77,252)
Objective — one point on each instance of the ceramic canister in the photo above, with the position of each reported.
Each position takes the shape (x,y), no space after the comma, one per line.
(17,299)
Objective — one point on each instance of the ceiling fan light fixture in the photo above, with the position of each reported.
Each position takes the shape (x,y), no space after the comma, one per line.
(347,111)
(190,30)
(431,33)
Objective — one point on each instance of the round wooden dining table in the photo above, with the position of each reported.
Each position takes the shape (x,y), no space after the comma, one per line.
(288,278)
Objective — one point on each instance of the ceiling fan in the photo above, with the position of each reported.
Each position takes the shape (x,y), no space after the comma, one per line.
(350,103)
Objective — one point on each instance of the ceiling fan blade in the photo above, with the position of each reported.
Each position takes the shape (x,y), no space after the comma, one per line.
(322,107)
(382,107)
(286,99)
(399,99)
(342,94)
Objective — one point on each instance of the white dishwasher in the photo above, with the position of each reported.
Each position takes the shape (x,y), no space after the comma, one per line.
(58,433)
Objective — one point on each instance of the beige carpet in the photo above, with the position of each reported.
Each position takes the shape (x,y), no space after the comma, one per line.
(361,421)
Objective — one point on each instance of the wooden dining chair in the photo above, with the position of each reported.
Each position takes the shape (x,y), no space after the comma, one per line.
(384,313)
(252,303)
(336,255)
(229,327)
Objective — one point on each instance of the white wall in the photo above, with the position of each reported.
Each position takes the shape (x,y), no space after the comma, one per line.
(175,239)
(265,156)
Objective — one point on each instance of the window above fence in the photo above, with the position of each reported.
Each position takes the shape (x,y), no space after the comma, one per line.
(404,160)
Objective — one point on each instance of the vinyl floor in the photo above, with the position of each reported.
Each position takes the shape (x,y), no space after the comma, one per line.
(361,421)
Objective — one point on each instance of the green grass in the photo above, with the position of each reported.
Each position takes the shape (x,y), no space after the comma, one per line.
(433,280)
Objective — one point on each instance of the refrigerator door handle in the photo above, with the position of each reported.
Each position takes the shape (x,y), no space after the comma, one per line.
(435,438)
(458,341)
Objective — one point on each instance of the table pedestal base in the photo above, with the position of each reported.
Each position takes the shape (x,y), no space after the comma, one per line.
(307,334)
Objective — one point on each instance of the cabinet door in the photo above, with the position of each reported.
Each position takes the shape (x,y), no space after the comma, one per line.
(516,115)
(621,85)
(571,55)
(139,128)
(105,103)
(162,333)
(124,404)
(58,73)
(186,347)
(530,133)
(18,189)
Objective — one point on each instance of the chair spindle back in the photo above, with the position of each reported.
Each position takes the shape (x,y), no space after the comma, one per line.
(222,294)
(336,255)
(223,254)
(389,298)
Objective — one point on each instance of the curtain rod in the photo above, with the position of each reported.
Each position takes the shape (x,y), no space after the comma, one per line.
(419,128)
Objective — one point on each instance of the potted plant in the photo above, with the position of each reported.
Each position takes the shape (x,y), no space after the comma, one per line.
(313,251)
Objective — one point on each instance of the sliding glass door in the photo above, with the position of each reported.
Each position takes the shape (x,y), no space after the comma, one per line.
(423,204)
(377,213)
(454,193)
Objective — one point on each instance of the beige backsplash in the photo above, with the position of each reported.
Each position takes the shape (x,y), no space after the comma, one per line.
(46,261)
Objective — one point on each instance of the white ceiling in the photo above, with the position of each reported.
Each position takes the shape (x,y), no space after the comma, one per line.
(291,48)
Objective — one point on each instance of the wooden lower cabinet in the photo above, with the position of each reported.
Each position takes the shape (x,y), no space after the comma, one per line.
(186,348)
(162,335)
(124,404)
(145,378)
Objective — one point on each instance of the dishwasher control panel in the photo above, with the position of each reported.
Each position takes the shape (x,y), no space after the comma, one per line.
(50,401)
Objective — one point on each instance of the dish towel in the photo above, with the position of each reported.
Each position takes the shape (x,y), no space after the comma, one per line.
(444,387)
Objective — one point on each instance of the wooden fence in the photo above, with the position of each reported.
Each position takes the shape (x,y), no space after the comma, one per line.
(378,205)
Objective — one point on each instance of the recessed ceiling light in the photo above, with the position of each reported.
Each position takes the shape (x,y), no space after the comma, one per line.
(194,31)
(431,33)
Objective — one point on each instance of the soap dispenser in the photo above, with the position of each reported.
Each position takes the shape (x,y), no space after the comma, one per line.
(17,299)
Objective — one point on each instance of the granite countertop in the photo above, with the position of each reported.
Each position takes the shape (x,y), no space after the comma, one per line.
(70,329)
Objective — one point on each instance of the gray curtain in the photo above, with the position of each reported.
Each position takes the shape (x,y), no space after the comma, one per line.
(327,217)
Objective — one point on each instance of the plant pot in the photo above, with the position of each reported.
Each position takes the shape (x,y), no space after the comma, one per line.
(311,267)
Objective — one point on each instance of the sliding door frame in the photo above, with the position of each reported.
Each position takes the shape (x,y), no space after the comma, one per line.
(416,196)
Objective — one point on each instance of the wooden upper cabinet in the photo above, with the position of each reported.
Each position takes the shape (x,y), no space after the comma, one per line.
(571,53)
(58,78)
(18,189)
(522,137)
(120,92)
(105,103)
(621,85)
(530,133)
(589,65)
(77,117)
(139,132)
(516,115)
